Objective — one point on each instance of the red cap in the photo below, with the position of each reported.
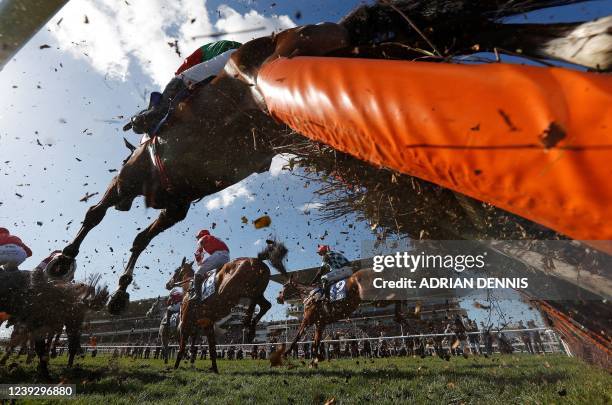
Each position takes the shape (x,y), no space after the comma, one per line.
(203,232)
(322,249)
(4,231)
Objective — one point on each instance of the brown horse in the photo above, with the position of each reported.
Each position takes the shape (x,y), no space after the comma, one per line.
(242,278)
(222,133)
(318,314)
(46,307)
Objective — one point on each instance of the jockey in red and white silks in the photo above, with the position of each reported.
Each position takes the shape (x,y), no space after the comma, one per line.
(13,251)
(218,256)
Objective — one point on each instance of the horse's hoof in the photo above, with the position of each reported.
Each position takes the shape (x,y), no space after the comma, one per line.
(61,267)
(118,302)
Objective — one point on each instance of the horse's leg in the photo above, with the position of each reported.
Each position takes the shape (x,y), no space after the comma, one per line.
(248,315)
(303,326)
(212,349)
(168,217)
(181,350)
(94,216)
(31,351)
(318,336)
(8,351)
(264,306)
(43,357)
(164,338)
(194,350)
(74,344)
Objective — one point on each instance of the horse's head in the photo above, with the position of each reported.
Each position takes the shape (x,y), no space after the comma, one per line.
(289,291)
(182,273)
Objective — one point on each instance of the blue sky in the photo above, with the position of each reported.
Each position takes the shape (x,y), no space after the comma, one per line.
(69,97)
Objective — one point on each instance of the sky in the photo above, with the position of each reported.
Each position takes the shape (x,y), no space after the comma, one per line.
(66,95)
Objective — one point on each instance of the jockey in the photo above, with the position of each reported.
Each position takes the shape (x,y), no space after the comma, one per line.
(206,62)
(218,256)
(13,251)
(334,267)
(174,303)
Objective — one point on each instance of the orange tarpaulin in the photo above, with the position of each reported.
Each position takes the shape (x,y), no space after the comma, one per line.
(534,141)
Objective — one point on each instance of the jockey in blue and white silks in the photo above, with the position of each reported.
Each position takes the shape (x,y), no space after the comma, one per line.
(334,267)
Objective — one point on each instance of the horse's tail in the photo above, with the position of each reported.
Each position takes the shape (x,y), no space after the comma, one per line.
(275,252)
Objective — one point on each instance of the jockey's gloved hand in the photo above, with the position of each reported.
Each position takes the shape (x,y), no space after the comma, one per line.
(147,120)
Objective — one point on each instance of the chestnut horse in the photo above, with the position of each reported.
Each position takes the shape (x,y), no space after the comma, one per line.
(242,278)
(222,133)
(318,314)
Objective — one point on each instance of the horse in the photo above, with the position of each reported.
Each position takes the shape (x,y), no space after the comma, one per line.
(222,133)
(166,330)
(46,307)
(241,278)
(318,314)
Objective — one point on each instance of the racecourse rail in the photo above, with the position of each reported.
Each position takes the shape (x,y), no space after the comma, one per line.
(547,331)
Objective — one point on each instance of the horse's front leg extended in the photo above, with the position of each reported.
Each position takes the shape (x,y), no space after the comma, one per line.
(299,334)
(94,216)
(168,217)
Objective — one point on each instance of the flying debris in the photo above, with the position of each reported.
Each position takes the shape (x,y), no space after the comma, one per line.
(262,222)
(87,196)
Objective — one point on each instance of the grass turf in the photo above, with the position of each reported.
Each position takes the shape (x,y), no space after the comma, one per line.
(516,379)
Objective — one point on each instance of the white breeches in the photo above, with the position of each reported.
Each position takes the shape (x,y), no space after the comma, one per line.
(214,261)
(12,254)
(201,71)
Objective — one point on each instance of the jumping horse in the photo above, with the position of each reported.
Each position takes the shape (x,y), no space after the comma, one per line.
(222,134)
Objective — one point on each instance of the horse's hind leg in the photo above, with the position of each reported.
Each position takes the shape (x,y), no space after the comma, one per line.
(264,306)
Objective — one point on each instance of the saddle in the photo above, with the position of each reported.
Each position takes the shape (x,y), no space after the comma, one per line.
(337,292)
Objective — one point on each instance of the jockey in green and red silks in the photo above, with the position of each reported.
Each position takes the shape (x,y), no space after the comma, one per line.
(206,53)
(201,65)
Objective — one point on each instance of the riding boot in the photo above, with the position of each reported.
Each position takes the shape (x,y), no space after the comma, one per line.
(147,120)
(198,280)
(327,298)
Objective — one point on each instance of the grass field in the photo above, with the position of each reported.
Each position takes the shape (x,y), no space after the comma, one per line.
(517,379)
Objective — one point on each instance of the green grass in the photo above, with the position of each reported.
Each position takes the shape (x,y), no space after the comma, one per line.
(517,379)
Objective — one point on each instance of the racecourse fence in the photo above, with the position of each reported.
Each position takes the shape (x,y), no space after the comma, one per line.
(551,342)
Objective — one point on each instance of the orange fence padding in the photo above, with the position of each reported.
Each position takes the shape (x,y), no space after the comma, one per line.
(534,141)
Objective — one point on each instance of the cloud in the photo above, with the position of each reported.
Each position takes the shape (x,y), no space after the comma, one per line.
(227,197)
(241,24)
(121,38)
